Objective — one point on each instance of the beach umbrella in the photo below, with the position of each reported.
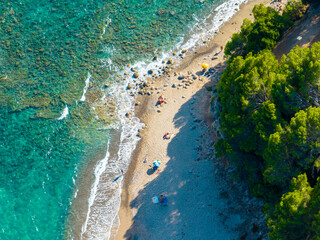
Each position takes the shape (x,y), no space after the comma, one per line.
(205,65)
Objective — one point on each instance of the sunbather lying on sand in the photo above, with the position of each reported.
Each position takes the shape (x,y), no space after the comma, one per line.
(160,100)
(168,135)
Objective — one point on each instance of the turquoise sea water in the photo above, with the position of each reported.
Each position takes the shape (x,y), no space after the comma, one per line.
(48,50)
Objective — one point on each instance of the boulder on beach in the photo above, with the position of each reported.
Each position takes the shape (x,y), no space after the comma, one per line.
(129,86)
(170,61)
(136,75)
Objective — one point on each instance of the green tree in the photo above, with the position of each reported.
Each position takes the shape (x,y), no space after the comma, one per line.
(302,66)
(244,88)
(261,34)
(294,10)
(293,149)
(289,218)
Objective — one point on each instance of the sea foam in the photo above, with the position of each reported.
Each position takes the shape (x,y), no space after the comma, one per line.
(83,98)
(64,113)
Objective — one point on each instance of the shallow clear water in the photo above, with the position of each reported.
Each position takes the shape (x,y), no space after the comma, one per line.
(48,49)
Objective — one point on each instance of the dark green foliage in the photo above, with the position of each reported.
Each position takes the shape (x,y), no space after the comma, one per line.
(270,120)
(302,66)
(293,149)
(294,10)
(297,215)
(248,117)
(263,33)
(289,219)
(267,28)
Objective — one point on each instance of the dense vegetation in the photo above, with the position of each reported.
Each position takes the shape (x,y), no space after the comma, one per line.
(270,119)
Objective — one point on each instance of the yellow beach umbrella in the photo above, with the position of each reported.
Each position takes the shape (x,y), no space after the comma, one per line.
(205,65)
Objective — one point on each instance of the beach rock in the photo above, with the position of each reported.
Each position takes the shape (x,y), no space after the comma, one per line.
(158,111)
(150,71)
(128,114)
(154,58)
(173,86)
(133,70)
(145,84)
(170,61)
(107,84)
(183,97)
(171,13)
(136,75)
(184,51)
(174,53)
(139,135)
(129,86)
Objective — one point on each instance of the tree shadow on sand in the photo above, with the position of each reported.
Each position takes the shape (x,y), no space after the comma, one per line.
(194,201)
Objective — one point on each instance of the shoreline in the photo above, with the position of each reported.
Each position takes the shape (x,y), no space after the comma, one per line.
(133,224)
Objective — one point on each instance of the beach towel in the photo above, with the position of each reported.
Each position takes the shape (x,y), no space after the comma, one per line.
(155,199)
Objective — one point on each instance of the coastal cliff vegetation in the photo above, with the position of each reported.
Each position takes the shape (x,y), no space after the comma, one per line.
(270,121)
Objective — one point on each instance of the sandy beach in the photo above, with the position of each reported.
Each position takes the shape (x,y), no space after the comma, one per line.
(204,202)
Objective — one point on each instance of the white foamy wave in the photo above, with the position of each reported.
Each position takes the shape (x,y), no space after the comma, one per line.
(222,14)
(105,196)
(201,29)
(100,168)
(83,98)
(64,113)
